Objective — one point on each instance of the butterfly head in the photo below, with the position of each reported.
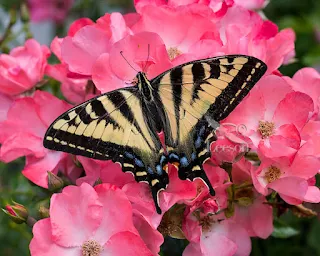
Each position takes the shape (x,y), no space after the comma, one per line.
(141,77)
(144,86)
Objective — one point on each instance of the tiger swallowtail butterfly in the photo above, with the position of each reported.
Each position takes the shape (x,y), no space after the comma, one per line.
(186,103)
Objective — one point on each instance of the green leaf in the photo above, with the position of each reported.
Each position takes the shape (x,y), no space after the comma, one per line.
(284,232)
(312,57)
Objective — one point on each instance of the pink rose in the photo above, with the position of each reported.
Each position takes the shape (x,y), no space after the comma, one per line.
(22,132)
(75,90)
(290,180)
(225,238)
(252,4)
(23,68)
(266,113)
(100,222)
(56,10)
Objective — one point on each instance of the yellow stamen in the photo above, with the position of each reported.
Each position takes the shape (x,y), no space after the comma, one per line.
(266,128)
(272,174)
(173,52)
(91,248)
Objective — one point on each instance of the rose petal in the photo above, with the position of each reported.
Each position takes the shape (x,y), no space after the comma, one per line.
(42,245)
(74,221)
(125,243)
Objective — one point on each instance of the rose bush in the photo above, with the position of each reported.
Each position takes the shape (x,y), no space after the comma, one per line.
(118,216)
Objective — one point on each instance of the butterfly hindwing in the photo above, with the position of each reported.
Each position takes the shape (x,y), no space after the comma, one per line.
(193,98)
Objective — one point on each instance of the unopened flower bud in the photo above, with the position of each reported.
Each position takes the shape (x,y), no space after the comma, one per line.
(13,17)
(43,212)
(54,182)
(17,212)
(24,12)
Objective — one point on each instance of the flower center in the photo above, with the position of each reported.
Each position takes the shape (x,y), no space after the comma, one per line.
(244,196)
(266,128)
(200,188)
(171,223)
(272,174)
(173,52)
(91,248)
(166,228)
(206,223)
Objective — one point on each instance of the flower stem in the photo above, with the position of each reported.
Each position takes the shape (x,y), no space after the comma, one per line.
(31,221)
(7,32)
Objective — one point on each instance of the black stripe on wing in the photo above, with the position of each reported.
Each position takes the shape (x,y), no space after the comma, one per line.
(176,78)
(238,88)
(67,132)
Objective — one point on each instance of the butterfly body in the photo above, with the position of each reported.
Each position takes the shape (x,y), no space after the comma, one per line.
(186,103)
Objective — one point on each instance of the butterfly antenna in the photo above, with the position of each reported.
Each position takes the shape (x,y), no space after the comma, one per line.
(128,62)
(144,68)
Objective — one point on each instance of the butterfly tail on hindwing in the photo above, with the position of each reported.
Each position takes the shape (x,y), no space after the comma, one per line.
(159,179)
(195,171)
(155,175)
(157,185)
(190,165)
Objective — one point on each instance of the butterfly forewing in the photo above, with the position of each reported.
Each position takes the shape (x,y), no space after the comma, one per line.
(102,127)
(214,86)
(194,97)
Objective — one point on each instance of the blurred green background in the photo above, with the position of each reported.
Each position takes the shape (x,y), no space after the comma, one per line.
(292,236)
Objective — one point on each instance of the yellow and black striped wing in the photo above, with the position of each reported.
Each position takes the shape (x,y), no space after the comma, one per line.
(110,126)
(114,126)
(212,86)
(193,98)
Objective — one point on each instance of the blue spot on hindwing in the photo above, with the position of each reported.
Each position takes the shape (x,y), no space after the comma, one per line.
(202,130)
(174,156)
(184,161)
(159,170)
(129,155)
(149,170)
(162,159)
(193,156)
(198,142)
(138,162)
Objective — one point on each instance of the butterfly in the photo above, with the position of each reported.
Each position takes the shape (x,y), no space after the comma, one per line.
(186,103)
